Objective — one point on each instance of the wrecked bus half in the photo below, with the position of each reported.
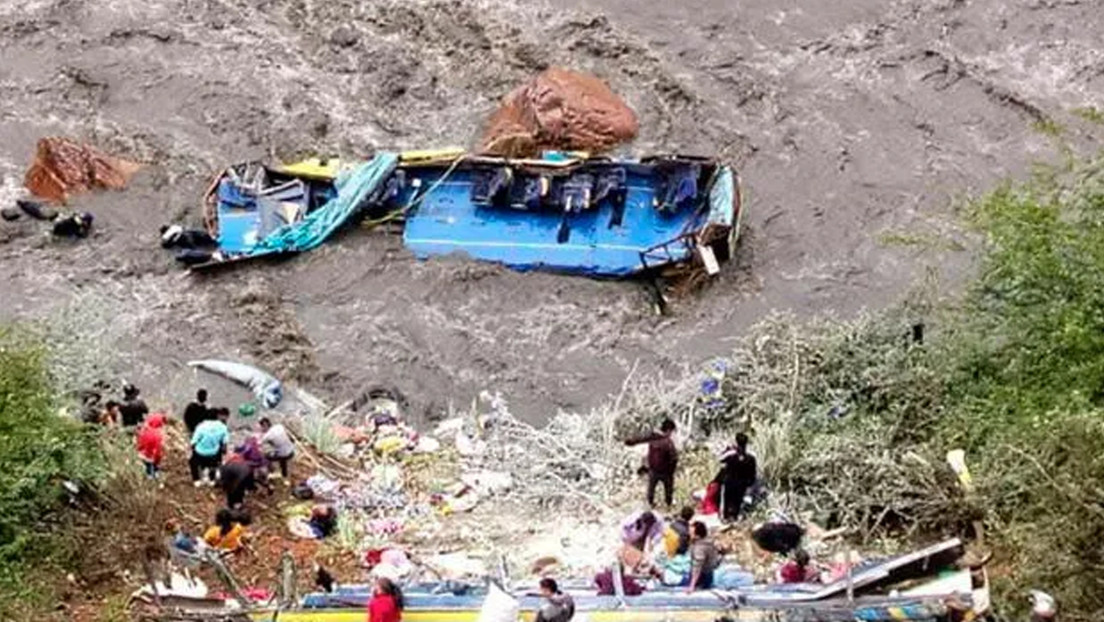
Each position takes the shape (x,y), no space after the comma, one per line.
(564,212)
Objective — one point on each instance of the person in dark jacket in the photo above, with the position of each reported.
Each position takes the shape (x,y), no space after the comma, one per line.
(662,460)
(736,476)
(133,410)
(557,606)
(197,412)
(237,478)
(778,536)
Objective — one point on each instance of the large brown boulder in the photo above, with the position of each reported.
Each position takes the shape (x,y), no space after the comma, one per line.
(62,167)
(559,109)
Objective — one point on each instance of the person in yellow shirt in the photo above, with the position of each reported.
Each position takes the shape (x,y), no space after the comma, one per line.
(226,534)
(676,538)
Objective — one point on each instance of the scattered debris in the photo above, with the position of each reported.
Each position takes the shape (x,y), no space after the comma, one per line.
(77,225)
(192,246)
(1043,606)
(559,109)
(36,210)
(63,167)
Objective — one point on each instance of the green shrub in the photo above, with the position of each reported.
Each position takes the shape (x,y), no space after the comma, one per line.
(38,451)
(852,420)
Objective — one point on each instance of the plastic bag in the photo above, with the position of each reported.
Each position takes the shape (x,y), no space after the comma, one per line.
(499,606)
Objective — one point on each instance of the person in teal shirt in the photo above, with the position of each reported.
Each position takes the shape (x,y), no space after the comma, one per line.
(209,442)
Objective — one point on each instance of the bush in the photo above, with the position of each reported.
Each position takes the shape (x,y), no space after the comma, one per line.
(38,451)
(852,420)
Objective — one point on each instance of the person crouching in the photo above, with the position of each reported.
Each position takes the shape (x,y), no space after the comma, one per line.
(227,535)
(277,445)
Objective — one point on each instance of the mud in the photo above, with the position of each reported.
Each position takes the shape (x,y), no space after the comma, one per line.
(856,126)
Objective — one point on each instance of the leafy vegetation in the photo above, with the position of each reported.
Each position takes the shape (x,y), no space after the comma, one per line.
(38,451)
(852,420)
(1091,114)
(1049,127)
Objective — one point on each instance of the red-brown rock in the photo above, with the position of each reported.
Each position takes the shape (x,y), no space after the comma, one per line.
(559,109)
(62,167)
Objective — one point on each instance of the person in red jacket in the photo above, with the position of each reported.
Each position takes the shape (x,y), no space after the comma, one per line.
(151,444)
(387,602)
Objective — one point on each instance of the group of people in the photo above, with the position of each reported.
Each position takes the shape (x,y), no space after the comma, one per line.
(686,553)
(236,470)
(735,478)
(652,547)
(249,465)
(128,412)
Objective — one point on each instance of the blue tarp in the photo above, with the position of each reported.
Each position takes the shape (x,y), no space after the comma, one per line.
(353,187)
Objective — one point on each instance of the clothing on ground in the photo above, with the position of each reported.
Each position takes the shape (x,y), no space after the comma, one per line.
(210,438)
(74,225)
(277,443)
(556,608)
(791,572)
(383,608)
(151,440)
(323,520)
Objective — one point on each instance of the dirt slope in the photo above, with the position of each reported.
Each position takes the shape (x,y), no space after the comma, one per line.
(854,124)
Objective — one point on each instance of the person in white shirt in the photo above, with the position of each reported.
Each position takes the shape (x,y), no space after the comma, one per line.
(277,445)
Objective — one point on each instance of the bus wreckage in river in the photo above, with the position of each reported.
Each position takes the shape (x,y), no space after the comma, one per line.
(564,212)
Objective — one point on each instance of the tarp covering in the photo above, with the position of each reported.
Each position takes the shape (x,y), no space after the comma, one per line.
(265,387)
(559,109)
(63,167)
(353,187)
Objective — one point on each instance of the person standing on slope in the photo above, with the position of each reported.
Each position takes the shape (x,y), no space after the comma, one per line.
(209,443)
(736,476)
(151,444)
(197,412)
(133,410)
(661,462)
